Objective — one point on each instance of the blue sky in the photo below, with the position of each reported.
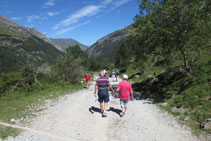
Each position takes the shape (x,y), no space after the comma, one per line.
(83,20)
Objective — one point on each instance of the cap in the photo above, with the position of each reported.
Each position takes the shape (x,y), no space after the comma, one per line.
(125,76)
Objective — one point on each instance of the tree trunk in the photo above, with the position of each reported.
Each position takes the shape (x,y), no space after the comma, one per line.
(186,64)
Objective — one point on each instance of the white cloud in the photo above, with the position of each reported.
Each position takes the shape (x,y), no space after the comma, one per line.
(30,26)
(120,2)
(49,3)
(53,13)
(44,33)
(31,18)
(90,10)
(71,28)
(105,2)
(115,4)
(15,18)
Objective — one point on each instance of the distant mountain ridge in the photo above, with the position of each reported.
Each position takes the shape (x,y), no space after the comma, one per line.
(20,45)
(107,47)
(64,43)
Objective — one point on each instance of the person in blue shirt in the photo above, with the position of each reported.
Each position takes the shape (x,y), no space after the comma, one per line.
(117,75)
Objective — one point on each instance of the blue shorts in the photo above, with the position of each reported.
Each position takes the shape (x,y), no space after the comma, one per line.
(103,95)
(124,102)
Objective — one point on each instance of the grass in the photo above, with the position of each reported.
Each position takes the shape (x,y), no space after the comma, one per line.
(8,131)
(23,105)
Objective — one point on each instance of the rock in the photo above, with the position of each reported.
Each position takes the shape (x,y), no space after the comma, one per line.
(164,104)
(136,76)
(178,110)
(186,118)
(206,124)
(12,120)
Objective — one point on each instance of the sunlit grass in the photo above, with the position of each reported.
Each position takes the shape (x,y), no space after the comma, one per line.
(22,106)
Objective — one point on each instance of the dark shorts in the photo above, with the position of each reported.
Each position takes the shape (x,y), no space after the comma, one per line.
(103,95)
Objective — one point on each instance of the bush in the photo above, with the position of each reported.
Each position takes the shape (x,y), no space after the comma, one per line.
(7,80)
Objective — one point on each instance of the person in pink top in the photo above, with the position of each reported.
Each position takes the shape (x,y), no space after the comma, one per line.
(125,89)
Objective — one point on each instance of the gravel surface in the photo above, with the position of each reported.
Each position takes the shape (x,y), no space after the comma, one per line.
(76,117)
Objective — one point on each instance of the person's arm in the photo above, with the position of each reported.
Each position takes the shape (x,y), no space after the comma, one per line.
(84,77)
(111,89)
(131,92)
(95,92)
(116,90)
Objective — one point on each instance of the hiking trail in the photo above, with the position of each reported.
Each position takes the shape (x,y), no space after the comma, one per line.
(77,117)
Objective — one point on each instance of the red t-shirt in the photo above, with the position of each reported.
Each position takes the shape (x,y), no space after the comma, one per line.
(87,77)
(125,88)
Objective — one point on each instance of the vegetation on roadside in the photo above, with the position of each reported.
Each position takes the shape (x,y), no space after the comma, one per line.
(170,49)
(25,90)
(23,105)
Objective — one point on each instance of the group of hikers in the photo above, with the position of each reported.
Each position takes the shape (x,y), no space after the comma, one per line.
(102,90)
(115,74)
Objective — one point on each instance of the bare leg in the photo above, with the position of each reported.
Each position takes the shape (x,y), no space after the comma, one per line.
(122,107)
(125,109)
(105,105)
(101,106)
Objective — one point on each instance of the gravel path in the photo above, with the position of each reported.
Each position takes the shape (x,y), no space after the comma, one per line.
(77,117)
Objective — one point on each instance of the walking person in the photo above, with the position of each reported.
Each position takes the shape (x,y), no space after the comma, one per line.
(102,86)
(113,75)
(88,79)
(117,75)
(125,89)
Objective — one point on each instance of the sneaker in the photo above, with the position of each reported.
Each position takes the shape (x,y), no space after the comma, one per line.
(104,114)
(121,114)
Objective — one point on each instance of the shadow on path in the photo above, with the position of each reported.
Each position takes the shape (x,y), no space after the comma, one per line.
(117,111)
(93,109)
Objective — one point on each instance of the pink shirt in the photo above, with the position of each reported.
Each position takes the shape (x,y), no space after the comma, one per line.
(125,88)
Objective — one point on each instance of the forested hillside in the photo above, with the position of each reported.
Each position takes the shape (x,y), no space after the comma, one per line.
(171,52)
(19,46)
(106,48)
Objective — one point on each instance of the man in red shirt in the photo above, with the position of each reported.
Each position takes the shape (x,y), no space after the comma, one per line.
(88,79)
(125,89)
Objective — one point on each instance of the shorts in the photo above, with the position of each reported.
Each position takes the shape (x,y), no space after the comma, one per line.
(124,102)
(103,95)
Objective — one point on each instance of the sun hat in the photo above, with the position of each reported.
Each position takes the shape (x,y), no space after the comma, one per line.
(125,76)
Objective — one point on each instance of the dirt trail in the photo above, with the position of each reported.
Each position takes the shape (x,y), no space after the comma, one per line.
(77,117)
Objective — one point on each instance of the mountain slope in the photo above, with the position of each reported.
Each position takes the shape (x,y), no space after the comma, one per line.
(64,43)
(20,45)
(40,35)
(107,47)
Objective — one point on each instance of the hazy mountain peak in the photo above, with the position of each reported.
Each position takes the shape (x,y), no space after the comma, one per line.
(65,42)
